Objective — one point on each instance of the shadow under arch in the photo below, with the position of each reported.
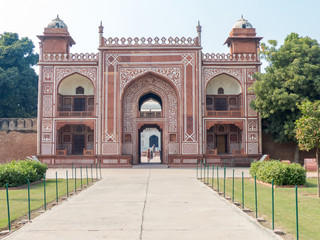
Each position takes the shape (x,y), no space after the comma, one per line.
(227,74)
(73,74)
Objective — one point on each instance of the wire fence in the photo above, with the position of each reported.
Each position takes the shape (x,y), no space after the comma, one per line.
(24,200)
(252,196)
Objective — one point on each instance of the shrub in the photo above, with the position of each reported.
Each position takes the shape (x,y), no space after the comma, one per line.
(16,173)
(281,173)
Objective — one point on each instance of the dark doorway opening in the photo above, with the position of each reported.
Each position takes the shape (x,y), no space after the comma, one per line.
(79,142)
(222,144)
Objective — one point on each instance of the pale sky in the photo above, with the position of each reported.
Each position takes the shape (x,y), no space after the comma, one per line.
(273,19)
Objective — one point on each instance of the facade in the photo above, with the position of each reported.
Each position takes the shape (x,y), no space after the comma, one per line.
(91,106)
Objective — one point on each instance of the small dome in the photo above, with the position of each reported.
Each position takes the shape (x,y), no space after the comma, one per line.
(242,23)
(57,23)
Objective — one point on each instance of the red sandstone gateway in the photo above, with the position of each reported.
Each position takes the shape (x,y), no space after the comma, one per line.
(95,108)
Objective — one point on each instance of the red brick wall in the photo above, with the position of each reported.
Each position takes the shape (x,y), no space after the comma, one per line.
(17,145)
(283,151)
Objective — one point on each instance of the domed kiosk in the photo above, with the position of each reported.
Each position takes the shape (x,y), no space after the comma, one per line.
(57,23)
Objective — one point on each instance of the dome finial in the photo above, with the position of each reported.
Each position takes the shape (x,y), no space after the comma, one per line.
(242,23)
(57,23)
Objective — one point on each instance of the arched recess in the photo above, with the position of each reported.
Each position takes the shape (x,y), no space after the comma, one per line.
(224,93)
(75,96)
(131,120)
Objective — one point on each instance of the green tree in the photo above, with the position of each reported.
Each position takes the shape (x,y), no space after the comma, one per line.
(308,129)
(292,76)
(18,80)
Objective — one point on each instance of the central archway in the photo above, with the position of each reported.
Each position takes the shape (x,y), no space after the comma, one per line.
(132,119)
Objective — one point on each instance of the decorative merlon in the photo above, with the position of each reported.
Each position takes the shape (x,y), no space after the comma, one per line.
(151,42)
(71,57)
(236,57)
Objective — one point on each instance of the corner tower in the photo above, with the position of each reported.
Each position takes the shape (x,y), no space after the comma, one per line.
(242,38)
(56,38)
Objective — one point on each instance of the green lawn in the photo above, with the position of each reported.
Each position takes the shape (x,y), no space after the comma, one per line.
(285,218)
(19,198)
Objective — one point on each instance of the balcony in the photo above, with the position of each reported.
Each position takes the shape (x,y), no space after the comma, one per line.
(150,114)
(75,113)
(233,113)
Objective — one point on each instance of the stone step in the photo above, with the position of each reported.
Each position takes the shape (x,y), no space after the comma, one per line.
(150,166)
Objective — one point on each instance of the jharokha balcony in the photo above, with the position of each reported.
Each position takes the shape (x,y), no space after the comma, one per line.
(75,113)
(232,113)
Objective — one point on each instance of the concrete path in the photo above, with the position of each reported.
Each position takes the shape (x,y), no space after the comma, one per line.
(148,204)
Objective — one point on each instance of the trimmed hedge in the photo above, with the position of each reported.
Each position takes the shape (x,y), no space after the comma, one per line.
(16,173)
(281,173)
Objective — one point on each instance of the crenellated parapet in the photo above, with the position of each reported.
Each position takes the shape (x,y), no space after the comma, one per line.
(71,57)
(236,57)
(18,124)
(151,42)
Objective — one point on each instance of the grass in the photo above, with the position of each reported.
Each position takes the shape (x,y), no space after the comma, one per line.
(19,198)
(284,206)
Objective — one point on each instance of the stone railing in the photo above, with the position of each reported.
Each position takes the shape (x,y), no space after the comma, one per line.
(71,57)
(151,42)
(223,57)
(18,124)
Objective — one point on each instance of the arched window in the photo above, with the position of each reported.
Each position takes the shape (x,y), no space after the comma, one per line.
(220,90)
(79,90)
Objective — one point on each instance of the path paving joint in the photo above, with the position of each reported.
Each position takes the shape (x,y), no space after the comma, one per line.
(145,204)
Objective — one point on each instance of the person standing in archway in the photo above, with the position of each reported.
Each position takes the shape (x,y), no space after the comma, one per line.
(148,155)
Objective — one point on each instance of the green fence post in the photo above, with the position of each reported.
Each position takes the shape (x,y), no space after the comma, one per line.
(297,217)
(67,183)
(217,179)
(91,174)
(232,185)
(272,191)
(242,192)
(8,207)
(201,169)
(255,195)
(87,175)
(208,173)
(72,170)
(97,171)
(44,192)
(197,168)
(204,172)
(57,187)
(100,170)
(212,175)
(75,180)
(224,181)
(81,176)
(28,182)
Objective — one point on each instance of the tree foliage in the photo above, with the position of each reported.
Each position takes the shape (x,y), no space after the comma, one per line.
(293,76)
(308,129)
(18,80)
(308,126)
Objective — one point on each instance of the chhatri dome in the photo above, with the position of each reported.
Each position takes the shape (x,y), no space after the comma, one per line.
(242,23)
(57,23)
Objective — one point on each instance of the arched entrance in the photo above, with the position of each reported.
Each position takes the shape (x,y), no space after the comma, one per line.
(150,101)
(150,138)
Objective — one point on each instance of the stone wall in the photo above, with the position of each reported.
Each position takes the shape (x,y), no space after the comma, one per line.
(18,138)
(18,124)
(283,151)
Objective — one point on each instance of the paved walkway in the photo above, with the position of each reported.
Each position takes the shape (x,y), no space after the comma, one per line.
(148,204)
